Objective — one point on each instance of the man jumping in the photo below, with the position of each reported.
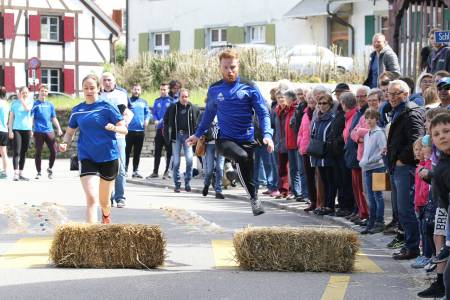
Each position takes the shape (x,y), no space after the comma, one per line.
(235,100)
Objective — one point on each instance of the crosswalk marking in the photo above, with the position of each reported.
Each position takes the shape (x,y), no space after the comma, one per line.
(336,288)
(27,253)
(224,254)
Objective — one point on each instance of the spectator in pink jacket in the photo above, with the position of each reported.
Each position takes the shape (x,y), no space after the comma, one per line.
(373,100)
(303,138)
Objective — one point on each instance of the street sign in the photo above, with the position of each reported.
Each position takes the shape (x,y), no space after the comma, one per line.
(442,37)
(34,63)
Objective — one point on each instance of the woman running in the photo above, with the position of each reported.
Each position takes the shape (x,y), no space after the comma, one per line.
(43,113)
(19,130)
(98,122)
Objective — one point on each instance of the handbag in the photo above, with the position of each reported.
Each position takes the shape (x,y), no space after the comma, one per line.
(200,148)
(74,166)
(381,182)
(316,148)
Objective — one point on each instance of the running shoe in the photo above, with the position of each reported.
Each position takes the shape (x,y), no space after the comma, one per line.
(274,193)
(38,175)
(257,207)
(106,219)
(50,173)
(136,175)
(396,243)
(219,195)
(3,175)
(121,204)
(420,262)
(23,178)
(153,175)
(266,192)
(166,175)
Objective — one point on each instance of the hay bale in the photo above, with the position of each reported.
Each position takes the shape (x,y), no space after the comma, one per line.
(108,246)
(296,249)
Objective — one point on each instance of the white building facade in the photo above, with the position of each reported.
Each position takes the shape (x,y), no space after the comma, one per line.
(71,38)
(169,25)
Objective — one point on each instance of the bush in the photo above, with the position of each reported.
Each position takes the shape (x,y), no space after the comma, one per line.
(198,69)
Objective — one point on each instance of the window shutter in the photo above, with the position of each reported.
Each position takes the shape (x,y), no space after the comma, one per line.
(68,29)
(199,40)
(235,35)
(369,25)
(446,19)
(8,26)
(10,75)
(270,34)
(69,86)
(35,28)
(144,42)
(174,41)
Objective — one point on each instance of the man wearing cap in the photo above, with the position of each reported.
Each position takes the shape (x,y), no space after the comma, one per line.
(383,58)
(341,88)
(443,87)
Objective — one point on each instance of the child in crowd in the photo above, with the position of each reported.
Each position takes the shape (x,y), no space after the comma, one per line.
(372,162)
(422,153)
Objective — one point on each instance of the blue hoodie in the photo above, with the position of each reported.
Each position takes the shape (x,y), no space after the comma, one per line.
(234,104)
(159,109)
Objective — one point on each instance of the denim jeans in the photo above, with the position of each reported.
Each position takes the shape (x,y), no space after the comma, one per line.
(375,199)
(273,161)
(303,181)
(258,169)
(294,172)
(404,190)
(263,161)
(212,159)
(119,188)
(179,143)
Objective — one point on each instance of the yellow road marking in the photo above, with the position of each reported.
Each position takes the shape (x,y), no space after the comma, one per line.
(364,264)
(224,254)
(26,253)
(336,288)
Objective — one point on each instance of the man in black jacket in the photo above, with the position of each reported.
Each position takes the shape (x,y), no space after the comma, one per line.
(406,127)
(180,122)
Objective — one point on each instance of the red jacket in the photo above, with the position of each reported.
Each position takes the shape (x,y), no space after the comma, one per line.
(291,135)
(421,188)
(348,122)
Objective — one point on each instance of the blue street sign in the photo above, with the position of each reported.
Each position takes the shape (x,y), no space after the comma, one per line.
(442,37)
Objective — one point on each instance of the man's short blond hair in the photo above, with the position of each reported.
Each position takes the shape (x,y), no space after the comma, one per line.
(229,53)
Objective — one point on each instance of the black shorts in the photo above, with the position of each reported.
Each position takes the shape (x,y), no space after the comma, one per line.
(4,138)
(106,170)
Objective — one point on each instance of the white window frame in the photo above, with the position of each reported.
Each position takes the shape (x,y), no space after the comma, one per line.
(164,48)
(51,87)
(221,42)
(257,34)
(379,22)
(46,29)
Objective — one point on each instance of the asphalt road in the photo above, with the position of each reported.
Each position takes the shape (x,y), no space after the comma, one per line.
(199,263)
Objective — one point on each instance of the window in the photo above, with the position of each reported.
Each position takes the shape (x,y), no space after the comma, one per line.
(257,34)
(383,25)
(218,37)
(340,36)
(50,28)
(162,43)
(52,78)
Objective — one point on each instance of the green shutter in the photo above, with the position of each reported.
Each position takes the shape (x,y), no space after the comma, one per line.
(199,38)
(144,42)
(369,25)
(270,34)
(235,35)
(174,41)
(446,19)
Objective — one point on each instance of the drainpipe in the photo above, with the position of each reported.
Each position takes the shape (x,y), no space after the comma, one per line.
(343,22)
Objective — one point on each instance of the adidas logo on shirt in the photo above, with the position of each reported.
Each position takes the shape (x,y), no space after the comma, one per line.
(220,97)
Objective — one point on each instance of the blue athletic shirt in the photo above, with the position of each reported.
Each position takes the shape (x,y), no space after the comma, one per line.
(95,143)
(141,112)
(4,114)
(43,112)
(159,109)
(235,103)
(22,118)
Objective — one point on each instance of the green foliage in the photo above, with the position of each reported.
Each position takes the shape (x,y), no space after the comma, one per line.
(119,48)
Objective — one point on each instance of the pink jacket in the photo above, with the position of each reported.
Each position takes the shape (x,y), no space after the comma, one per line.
(304,133)
(421,188)
(357,135)
(348,122)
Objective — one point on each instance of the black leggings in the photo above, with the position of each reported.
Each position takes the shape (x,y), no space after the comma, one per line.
(242,155)
(135,141)
(159,144)
(49,139)
(21,142)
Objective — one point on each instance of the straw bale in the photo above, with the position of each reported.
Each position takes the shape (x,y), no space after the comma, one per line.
(296,249)
(108,246)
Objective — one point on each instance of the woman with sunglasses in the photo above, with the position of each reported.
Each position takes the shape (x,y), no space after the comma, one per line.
(320,130)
